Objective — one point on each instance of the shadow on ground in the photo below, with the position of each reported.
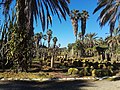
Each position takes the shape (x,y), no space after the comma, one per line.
(47,85)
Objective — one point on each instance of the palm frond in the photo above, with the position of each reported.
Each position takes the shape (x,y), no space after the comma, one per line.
(101,4)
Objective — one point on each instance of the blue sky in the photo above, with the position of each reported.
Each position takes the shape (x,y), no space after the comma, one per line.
(64,30)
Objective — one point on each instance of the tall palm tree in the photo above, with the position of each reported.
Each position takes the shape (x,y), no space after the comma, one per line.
(54,51)
(38,37)
(83,17)
(74,16)
(26,12)
(110,12)
(42,8)
(49,34)
(55,40)
(45,38)
(80,35)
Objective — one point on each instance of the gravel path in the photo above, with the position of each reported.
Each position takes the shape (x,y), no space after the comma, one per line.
(103,85)
(60,85)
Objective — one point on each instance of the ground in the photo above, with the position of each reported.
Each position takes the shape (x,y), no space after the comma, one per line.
(60,85)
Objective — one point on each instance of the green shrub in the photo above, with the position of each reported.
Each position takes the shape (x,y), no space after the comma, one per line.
(75,63)
(104,66)
(86,71)
(81,72)
(48,63)
(95,65)
(100,66)
(99,73)
(80,64)
(65,64)
(104,72)
(94,72)
(73,71)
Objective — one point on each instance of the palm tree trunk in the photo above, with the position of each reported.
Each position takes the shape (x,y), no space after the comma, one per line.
(112,25)
(83,27)
(29,31)
(76,37)
(25,31)
(48,44)
(21,28)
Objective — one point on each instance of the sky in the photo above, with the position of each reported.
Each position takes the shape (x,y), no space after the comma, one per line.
(64,31)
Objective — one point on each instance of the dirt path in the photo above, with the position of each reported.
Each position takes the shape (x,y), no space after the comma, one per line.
(60,85)
(103,85)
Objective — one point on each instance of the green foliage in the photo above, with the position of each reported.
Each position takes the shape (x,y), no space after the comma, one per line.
(86,71)
(118,50)
(73,71)
(75,63)
(94,72)
(104,72)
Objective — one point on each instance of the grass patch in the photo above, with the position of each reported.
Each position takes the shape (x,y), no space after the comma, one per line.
(25,75)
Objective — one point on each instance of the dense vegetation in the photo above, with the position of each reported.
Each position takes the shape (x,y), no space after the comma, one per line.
(21,49)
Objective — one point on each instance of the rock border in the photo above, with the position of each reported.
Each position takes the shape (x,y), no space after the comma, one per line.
(58,79)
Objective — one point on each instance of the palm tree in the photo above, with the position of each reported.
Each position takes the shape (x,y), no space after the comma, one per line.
(54,52)
(113,41)
(91,39)
(55,40)
(83,17)
(110,12)
(90,42)
(74,16)
(45,38)
(100,41)
(78,47)
(80,35)
(49,34)
(26,12)
(38,37)
(42,8)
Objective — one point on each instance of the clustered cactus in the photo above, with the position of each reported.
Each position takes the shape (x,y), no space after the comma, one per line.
(95,69)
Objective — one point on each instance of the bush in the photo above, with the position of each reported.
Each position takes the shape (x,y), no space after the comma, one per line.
(80,64)
(95,65)
(75,63)
(99,73)
(73,71)
(86,71)
(94,72)
(81,72)
(104,72)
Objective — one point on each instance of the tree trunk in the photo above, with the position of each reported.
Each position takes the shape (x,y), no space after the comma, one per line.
(52,61)
(48,44)
(20,31)
(29,31)
(25,31)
